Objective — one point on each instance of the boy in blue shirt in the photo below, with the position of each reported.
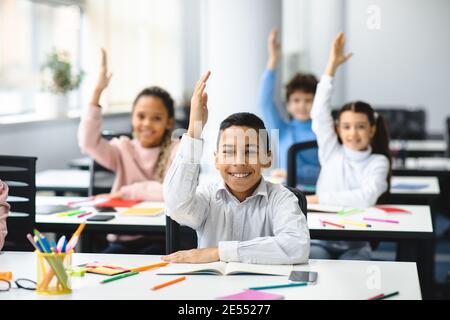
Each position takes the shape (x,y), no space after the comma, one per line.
(300,93)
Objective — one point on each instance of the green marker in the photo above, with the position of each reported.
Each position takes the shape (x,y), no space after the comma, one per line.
(70,213)
(300,284)
(121,276)
(388,295)
(351,211)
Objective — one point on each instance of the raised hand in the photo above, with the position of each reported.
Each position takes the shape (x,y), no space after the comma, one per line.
(337,56)
(104,76)
(273,48)
(199,107)
(103,79)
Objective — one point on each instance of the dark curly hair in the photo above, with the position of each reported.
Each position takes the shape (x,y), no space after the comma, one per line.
(301,82)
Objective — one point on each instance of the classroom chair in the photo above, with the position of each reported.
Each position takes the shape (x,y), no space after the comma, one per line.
(292,162)
(19,173)
(182,237)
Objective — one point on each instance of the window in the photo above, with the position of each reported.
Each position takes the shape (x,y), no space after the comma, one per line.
(29,30)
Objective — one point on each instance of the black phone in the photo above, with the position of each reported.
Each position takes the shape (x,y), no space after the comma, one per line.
(303,276)
(106,209)
(101,217)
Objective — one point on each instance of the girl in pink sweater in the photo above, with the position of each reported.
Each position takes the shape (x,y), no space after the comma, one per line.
(4,209)
(140,163)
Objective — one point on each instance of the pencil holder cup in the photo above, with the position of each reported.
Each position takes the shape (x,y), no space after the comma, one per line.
(53,273)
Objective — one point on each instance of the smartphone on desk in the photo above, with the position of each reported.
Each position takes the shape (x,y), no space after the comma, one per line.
(101,217)
(106,209)
(303,276)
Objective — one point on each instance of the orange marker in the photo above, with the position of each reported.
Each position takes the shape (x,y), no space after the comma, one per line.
(6,276)
(168,283)
(152,266)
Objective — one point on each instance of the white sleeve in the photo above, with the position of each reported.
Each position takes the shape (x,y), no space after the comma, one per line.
(185,203)
(372,187)
(322,120)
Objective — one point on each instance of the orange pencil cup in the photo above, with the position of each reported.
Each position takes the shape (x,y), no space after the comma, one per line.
(53,273)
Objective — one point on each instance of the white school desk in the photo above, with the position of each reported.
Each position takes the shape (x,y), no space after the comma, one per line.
(431,146)
(80,163)
(424,167)
(120,224)
(413,235)
(424,195)
(429,192)
(431,185)
(61,181)
(350,280)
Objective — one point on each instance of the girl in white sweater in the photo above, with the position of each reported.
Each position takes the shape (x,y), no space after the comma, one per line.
(353,154)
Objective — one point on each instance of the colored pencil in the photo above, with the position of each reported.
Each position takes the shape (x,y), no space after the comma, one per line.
(168,283)
(300,284)
(380,220)
(121,276)
(149,267)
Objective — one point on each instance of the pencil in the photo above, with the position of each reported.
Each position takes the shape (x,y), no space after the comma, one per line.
(300,284)
(357,224)
(380,220)
(152,266)
(387,295)
(121,276)
(332,224)
(168,283)
(376,297)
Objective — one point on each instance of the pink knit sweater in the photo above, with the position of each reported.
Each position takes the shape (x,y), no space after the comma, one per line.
(4,209)
(133,164)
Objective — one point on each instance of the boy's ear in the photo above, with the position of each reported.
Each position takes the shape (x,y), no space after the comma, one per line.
(269,162)
(216,160)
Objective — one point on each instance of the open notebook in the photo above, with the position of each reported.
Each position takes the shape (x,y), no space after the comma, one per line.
(324,208)
(224,268)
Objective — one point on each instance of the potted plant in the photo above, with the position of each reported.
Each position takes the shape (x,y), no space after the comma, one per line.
(60,80)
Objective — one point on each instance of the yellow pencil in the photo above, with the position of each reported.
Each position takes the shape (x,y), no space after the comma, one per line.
(357,224)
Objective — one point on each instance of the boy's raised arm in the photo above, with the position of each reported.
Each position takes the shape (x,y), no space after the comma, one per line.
(185,204)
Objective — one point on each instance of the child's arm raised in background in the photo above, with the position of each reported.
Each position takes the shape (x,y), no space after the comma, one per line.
(89,131)
(4,209)
(268,83)
(322,120)
(185,204)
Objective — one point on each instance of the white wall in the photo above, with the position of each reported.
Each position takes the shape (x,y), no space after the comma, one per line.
(53,142)
(407,61)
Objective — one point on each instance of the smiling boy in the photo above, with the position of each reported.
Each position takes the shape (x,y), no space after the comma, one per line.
(242,218)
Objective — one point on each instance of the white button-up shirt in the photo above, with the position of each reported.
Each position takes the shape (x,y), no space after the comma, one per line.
(267,228)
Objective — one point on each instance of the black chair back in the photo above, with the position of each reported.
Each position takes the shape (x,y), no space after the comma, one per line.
(292,160)
(19,173)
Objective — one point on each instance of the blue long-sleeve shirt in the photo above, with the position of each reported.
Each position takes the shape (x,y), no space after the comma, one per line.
(290,132)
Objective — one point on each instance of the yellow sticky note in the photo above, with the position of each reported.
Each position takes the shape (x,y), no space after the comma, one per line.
(143,211)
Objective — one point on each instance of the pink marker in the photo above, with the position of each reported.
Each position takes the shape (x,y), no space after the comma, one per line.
(84,214)
(381,220)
